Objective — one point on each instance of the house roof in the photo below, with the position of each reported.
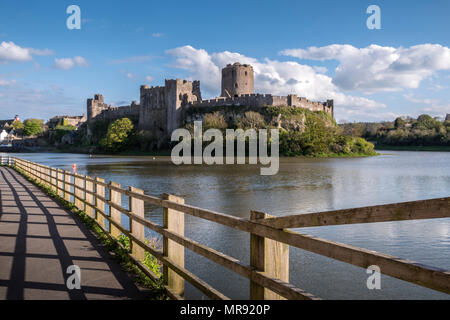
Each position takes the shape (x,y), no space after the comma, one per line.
(4,122)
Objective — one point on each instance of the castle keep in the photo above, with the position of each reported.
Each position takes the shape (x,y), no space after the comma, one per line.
(162,109)
(237,79)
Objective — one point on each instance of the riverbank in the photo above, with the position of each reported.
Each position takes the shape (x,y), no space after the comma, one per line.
(412,148)
(167,153)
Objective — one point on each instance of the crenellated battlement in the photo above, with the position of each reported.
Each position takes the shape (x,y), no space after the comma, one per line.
(98,110)
(260,100)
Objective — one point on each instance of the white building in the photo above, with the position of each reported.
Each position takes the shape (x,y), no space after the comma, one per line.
(3,136)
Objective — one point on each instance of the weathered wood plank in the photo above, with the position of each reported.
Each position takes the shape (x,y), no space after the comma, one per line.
(99,204)
(270,257)
(67,190)
(78,190)
(136,228)
(116,215)
(285,289)
(427,276)
(89,198)
(173,221)
(413,210)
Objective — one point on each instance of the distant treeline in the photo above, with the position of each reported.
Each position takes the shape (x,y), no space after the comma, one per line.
(404,131)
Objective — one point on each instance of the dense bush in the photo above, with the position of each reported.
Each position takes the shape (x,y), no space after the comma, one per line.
(251,120)
(118,135)
(302,132)
(214,120)
(33,127)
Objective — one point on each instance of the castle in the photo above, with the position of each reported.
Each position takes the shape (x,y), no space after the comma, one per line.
(162,109)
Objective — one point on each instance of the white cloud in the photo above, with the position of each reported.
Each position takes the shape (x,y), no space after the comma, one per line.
(31,98)
(80,61)
(157,35)
(39,52)
(199,64)
(271,76)
(149,78)
(64,63)
(69,63)
(434,107)
(6,83)
(129,75)
(9,51)
(377,68)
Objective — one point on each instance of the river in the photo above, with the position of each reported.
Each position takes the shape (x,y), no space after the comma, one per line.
(301,186)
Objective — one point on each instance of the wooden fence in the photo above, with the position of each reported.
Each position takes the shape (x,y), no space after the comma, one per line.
(270,240)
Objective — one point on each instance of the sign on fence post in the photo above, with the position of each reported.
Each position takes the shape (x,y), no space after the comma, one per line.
(116,198)
(268,256)
(99,204)
(136,228)
(173,221)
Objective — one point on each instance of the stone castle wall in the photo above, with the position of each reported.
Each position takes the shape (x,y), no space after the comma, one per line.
(161,109)
(260,100)
(112,113)
(98,110)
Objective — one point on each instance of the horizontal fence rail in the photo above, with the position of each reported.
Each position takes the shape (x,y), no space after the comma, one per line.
(269,237)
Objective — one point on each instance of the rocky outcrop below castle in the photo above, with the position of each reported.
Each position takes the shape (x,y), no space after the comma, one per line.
(302,132)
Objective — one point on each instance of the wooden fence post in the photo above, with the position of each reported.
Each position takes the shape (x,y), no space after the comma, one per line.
(89,197)
(78,191)
(67,188)
(173,221)
(48,176)
(136,228)
(59,184)
(50,172)
(116,198)
(34,170)
(99,204)
(268,256)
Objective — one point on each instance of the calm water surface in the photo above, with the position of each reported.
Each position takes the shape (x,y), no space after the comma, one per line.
(301,186)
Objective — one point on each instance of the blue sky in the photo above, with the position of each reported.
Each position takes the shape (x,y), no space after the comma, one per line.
(317,49)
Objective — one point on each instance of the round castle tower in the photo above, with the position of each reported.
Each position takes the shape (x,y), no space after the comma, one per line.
(237,79)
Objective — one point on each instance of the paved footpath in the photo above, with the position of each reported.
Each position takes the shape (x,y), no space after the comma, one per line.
(39,240)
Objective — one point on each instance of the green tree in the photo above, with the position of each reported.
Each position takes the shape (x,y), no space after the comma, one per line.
(118,135)
(424,121)
(399,123)
(17,126)
(33,127)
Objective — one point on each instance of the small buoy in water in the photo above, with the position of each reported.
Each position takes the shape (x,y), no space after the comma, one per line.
(74,167)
